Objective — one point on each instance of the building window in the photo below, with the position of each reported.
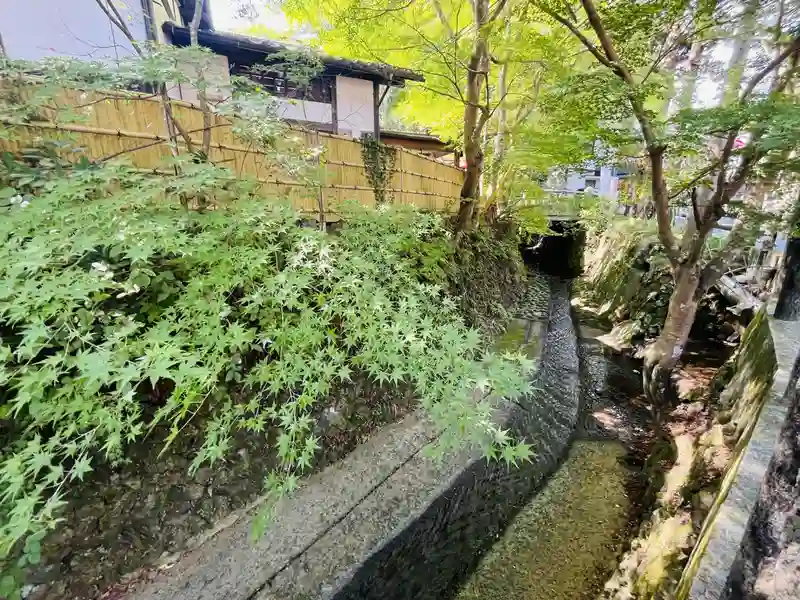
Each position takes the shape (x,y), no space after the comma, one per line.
(319,89)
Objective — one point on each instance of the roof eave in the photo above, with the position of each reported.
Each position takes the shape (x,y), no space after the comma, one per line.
(384,74)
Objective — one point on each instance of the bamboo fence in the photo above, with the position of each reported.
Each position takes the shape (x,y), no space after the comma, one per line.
(132,126)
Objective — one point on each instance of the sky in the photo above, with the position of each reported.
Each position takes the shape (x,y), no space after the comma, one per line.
(223,14)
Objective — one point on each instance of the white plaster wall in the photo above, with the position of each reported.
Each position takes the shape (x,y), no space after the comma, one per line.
(355,108)
(218,79)
(604,189)
(304,110)
(574,182)
(37,29)
(606,186)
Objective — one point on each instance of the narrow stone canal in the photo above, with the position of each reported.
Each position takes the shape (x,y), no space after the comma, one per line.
(566,542)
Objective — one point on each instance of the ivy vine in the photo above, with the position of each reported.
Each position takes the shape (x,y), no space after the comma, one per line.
(379,160)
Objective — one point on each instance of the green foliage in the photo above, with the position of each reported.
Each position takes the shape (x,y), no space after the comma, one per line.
(531,220)
(110,295)
(487,276)
(431,258)
(132,300)
(414,36)
(300,66)
(379,162)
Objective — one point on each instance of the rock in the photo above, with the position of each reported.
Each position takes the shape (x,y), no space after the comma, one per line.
(34,592)
(195,492)
(133,483)
(705,499)
(724,417)
(203,475)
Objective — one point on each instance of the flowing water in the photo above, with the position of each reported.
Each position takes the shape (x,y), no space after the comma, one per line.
(566,541)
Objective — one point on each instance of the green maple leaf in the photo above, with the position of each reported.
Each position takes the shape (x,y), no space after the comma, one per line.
(95,366)
(344,373)
(81,467)
(33,340)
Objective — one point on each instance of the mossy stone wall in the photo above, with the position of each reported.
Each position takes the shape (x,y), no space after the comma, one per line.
(742,401)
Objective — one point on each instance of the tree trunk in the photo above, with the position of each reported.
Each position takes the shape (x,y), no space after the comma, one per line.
(194,26)
(469,191)
(689,79)
(475,115)
(662,355)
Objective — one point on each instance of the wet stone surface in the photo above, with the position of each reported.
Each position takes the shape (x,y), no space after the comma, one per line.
(565,542)
(613,403)
(535,302)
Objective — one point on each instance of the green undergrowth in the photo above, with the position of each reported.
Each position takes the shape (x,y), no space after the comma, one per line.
(565,542)
(124,308)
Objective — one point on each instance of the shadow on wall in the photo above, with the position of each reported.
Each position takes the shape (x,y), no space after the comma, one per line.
(438,550)
(559,254)
(766,564)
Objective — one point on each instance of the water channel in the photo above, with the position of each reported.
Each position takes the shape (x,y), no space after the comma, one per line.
(566,542)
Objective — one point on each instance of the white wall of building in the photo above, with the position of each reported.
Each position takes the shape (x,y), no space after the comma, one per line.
(605,184)
(355,108)
(304,110)
(218,80)
(606,187)
(37,29)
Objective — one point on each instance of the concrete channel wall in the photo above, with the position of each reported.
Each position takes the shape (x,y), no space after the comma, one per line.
(387,522)
(749,547)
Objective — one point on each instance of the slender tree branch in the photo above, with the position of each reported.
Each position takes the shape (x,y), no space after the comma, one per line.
(442,17)
(694,180)
(568,5)
(498,8)
(116,19)
(194,26)
(779,22)
(596,52)
(201,91)
(773,64)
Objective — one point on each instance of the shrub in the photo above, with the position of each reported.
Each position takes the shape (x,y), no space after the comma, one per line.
(133,300)
(114,297)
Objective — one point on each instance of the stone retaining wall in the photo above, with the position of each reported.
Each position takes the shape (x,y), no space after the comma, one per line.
(387,522)
(752,525)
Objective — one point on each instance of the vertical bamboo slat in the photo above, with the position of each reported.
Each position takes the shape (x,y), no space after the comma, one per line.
(132,127)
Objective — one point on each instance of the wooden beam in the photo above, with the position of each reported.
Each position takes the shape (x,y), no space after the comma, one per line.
(376,89)
(334,106)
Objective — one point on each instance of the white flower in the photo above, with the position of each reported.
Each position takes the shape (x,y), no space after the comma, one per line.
(100,266)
